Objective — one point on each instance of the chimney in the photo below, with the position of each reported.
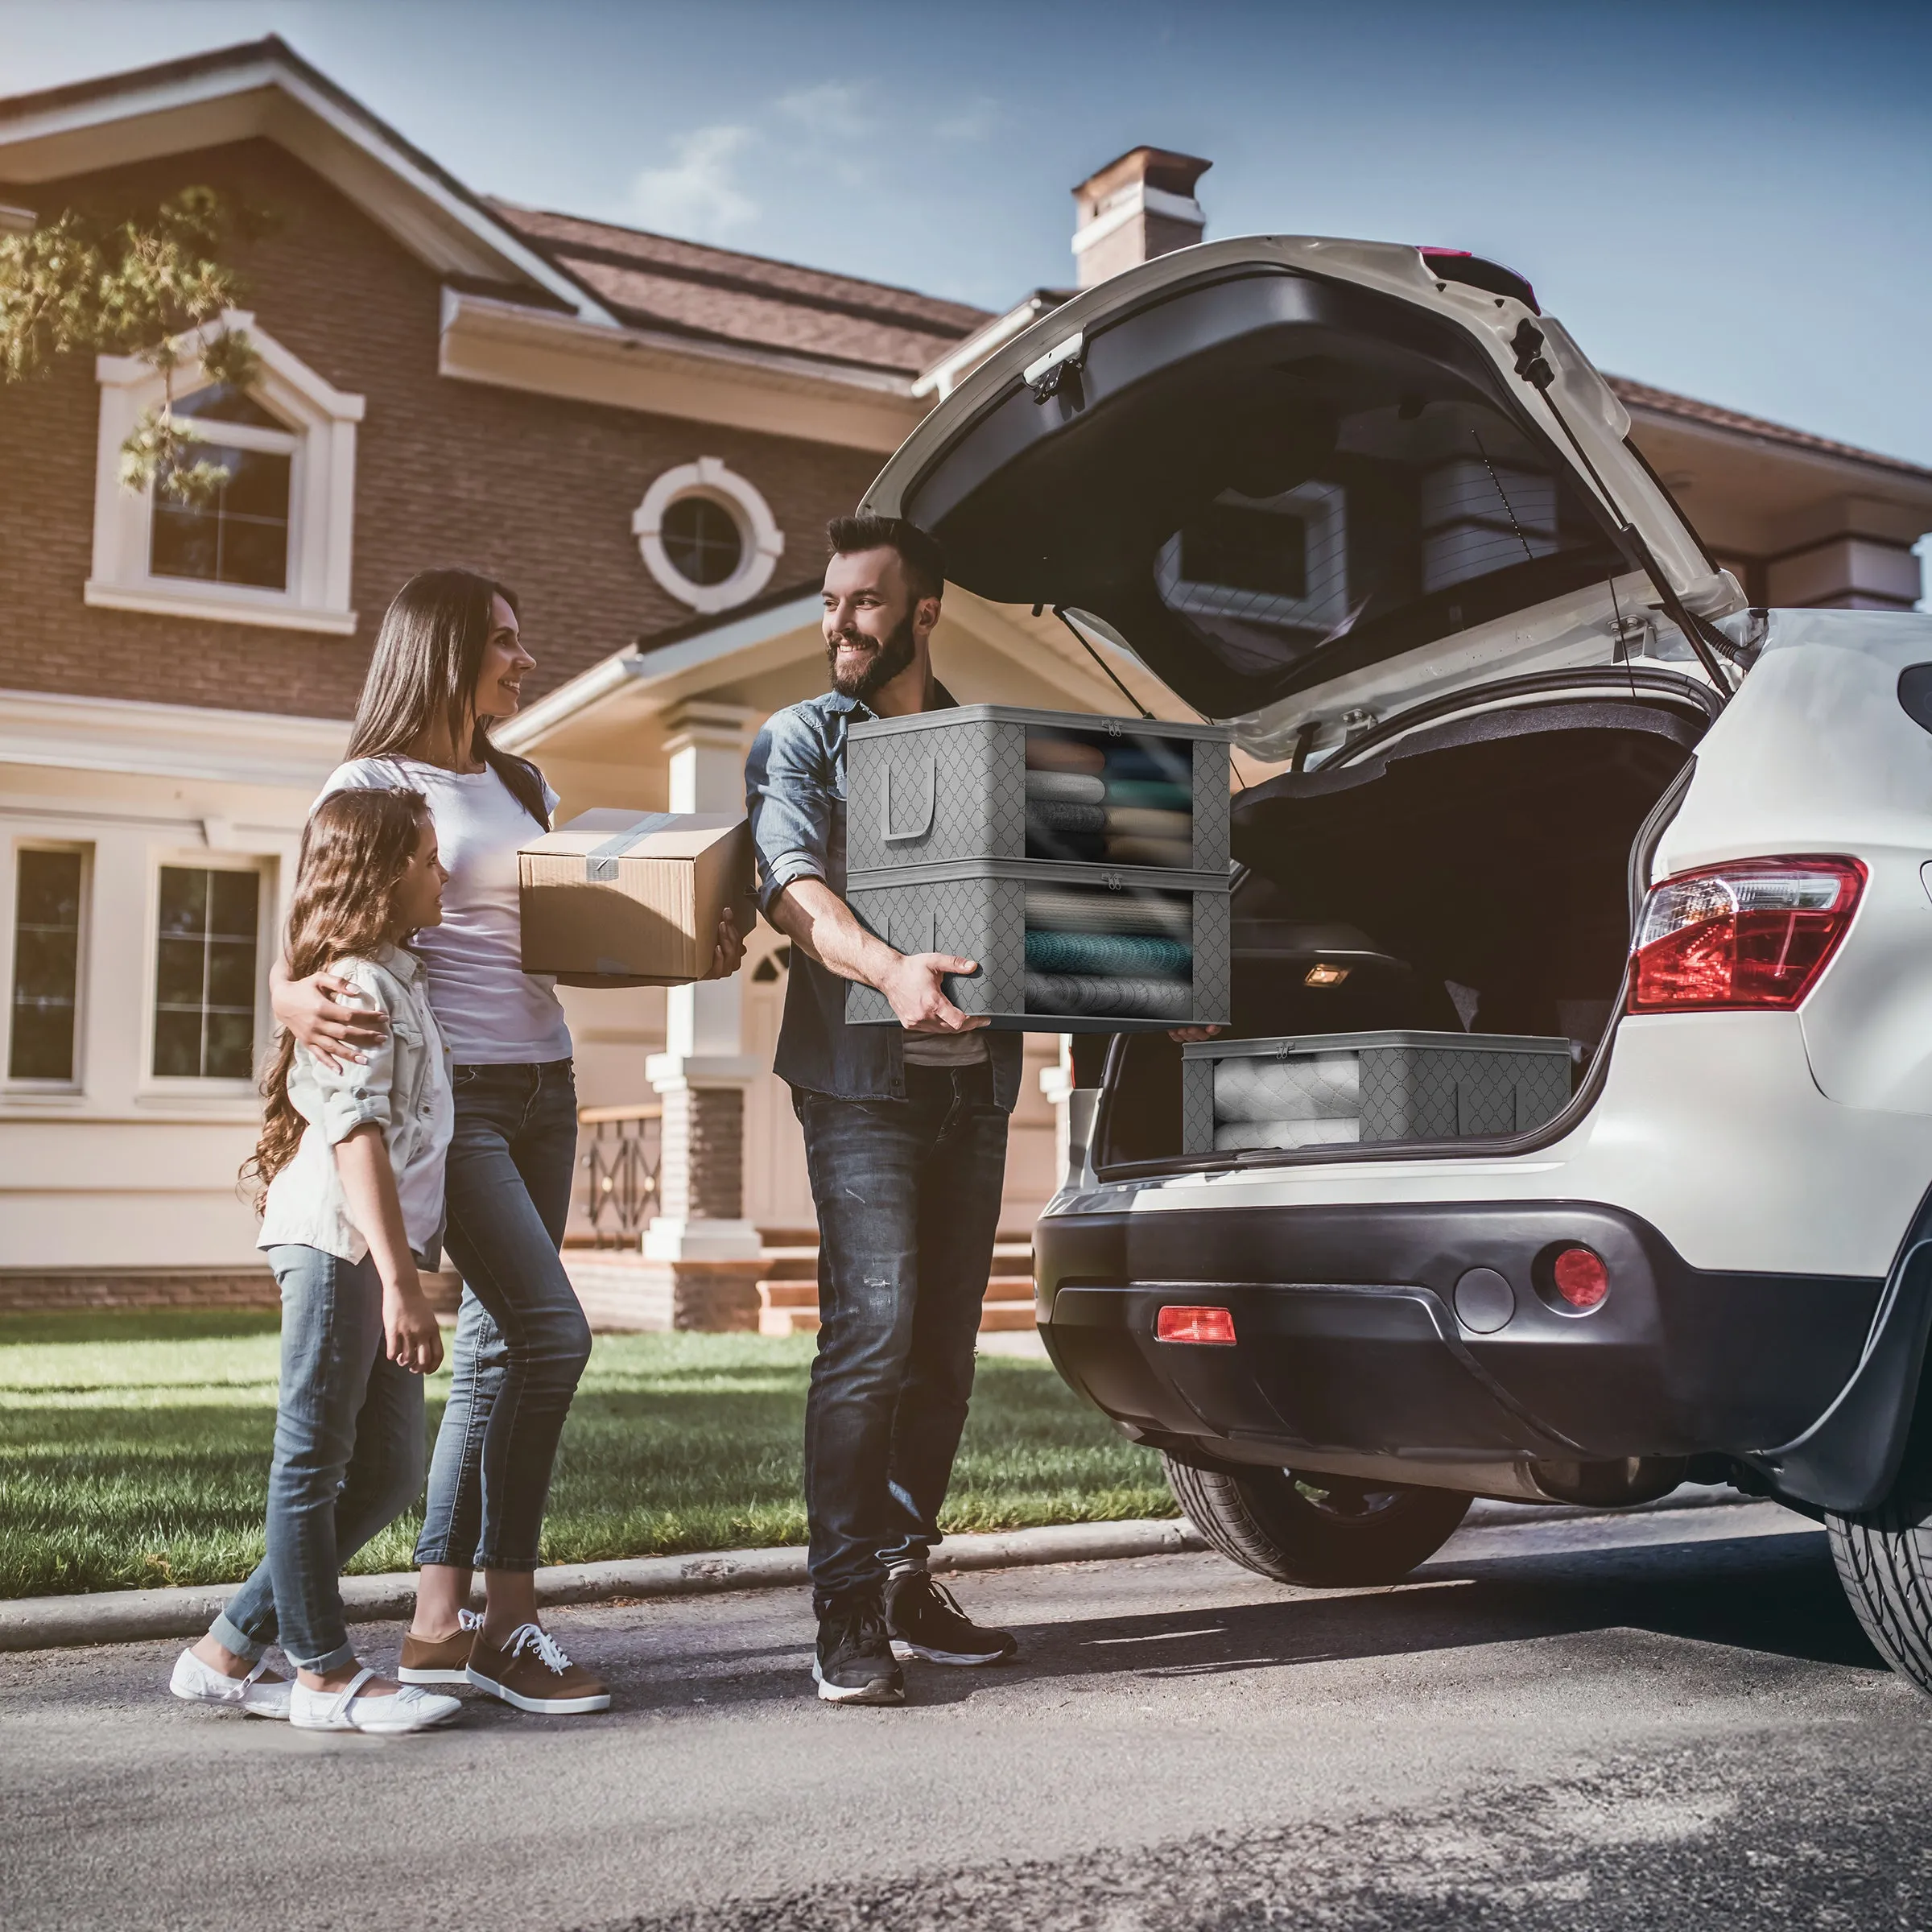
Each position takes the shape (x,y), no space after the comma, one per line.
(1138,207)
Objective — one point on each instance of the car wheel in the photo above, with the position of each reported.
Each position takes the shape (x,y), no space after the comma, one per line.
(1326,1531)
(1885,1562)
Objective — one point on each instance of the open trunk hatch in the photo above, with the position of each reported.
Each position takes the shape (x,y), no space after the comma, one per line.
(1267,464)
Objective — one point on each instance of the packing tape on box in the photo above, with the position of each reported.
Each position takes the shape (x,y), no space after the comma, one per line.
(600,861)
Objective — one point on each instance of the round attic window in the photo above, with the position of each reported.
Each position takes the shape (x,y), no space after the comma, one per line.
(707,535)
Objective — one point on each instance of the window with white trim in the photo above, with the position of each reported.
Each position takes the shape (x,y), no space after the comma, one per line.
(207,987)
(43,997)
(274,545)
(708,535)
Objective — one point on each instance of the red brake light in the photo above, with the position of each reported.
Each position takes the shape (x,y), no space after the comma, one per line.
(1194,1325)
(1754,933)
(1581,1279)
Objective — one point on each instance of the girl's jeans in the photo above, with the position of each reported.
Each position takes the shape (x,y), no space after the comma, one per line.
(521,1340)
(348,1459)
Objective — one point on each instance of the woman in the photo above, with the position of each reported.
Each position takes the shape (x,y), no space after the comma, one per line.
(449,664)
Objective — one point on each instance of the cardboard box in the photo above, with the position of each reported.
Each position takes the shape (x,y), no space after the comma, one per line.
(629,898)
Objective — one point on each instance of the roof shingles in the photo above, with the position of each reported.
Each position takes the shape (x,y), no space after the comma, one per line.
(656,282)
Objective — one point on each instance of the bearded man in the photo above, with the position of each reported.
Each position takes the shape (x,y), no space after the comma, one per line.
(905,1140)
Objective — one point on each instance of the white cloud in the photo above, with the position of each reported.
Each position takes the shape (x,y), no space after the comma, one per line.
(699,194)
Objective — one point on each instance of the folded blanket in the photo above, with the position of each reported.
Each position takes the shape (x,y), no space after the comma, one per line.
(1148,791)
(1286,1134)
(1307,1087)
(1134,955)
(1069,848)
(1072,787)
(1067,909)
(1045,752)
(1171,761)
(1176,853)
(1140,821)
(1057,814)
(1109,998)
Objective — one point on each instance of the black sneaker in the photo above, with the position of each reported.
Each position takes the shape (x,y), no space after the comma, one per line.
(926,1621)
(855,1664)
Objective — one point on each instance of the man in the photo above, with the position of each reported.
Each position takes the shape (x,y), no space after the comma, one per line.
(905,1140)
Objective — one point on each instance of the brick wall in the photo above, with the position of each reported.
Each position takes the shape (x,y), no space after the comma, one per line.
(538,491)
(38,1292)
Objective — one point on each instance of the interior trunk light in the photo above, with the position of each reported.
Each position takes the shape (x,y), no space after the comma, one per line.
(1581,1279)
(1325,975)
(1178,1324)
(1753,933)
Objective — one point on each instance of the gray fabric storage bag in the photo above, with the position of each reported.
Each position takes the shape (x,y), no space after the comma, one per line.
(1292,1092)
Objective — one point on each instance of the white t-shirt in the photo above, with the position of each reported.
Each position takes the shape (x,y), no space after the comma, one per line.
(491,1011)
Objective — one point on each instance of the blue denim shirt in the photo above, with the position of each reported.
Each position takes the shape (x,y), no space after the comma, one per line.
(794,795)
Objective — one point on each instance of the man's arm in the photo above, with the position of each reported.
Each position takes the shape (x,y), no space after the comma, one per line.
(811,915)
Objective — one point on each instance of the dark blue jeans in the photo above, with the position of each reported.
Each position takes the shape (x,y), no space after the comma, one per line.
(348,1459)
(908,1195)
(522,1340)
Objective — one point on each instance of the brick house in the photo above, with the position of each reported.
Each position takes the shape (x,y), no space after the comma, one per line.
(645,437)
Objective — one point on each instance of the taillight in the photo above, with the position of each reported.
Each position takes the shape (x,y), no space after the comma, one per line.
(1184,1325)
(1753,933)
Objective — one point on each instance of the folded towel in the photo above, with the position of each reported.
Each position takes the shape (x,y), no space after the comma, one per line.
(1108,998)
(1069,909)
(1142,822)
(1071,787)
(1134,955)
(1286,1134)
(1046,752)
(1176,853)
(1057,814)
(1069,848)
(1169,760)
(1147,791)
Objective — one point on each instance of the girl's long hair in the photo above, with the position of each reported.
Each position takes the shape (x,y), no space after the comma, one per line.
(355,849)
(429,652)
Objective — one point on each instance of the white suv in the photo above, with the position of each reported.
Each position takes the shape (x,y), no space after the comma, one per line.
(1546,775)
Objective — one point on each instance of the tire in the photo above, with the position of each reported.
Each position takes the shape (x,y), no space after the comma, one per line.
(1885,1562)
(1325,1532)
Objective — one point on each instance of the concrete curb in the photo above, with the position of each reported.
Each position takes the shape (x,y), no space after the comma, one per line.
(120,1616)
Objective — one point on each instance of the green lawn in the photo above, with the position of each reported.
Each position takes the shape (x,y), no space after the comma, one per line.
(134,1449)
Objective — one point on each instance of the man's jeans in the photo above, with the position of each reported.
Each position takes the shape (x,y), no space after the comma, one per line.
(908,1194)
(522,1340)
(348,1459)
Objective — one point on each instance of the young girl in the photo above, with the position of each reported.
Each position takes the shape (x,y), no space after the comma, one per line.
(353,1158)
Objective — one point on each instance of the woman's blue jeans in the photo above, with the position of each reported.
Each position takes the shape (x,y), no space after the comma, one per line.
(348,1459)
(908,1196)
(522,1340)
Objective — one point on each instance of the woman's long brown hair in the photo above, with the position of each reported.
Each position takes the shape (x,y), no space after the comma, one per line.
(429,653)
(355,849)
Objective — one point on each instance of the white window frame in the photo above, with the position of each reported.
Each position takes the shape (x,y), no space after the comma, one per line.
(10,905)
(174,1086)
(322,423)
(761,542)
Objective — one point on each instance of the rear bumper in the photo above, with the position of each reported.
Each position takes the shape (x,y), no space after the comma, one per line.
(1349,1340)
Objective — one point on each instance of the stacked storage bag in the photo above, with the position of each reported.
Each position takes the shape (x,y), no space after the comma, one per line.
(1082,861)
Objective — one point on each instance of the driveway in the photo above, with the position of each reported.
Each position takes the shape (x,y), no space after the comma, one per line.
(1651,1721)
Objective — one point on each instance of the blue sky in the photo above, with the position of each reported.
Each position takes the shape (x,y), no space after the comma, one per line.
(1732,201)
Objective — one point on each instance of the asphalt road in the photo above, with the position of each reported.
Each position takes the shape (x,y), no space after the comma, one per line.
(1659,1721)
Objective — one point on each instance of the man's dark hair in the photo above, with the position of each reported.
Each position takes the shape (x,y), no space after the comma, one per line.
(918,549)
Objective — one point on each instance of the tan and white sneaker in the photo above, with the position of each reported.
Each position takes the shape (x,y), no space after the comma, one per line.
(532,1672)
(440,1660)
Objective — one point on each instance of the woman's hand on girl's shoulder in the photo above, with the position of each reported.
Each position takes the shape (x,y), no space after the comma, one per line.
(328,1015)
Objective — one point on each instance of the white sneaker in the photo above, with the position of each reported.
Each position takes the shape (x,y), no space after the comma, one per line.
(196,1683)
(411,1708)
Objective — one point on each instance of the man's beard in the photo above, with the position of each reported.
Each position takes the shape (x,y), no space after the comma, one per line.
(887,661)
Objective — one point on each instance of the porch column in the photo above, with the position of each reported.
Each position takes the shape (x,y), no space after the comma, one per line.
(708,1251)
